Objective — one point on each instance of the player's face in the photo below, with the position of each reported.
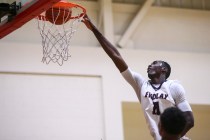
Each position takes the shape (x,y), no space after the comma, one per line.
(155,68)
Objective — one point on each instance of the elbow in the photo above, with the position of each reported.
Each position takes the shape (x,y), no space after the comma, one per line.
(190,119)
(191,123)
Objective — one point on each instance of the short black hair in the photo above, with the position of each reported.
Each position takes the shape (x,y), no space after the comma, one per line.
(168,67)
(173,121)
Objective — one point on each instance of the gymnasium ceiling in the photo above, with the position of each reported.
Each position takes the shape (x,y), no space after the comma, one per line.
(190,4)
(122,32)
(200,5)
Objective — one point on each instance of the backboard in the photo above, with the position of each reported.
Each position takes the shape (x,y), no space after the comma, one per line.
(15,13)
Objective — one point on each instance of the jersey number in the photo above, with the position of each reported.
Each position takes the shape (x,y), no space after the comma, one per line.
(156,109)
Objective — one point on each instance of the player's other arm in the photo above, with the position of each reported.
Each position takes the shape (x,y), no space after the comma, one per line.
(182,104)
(111,51)
(190,122)
(187,111)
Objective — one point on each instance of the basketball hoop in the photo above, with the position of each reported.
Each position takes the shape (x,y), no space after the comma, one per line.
(57,25)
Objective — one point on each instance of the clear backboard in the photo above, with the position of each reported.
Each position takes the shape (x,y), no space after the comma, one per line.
(15,13)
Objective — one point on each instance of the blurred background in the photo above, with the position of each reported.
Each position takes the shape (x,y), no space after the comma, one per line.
(87,98)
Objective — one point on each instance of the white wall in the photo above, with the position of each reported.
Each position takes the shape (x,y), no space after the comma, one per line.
(50,107)
(18,55)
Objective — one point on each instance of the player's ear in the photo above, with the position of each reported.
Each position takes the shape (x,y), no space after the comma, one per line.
(164,69)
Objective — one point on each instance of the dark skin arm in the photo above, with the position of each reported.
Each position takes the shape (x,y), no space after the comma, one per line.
(190,122)
(111,51)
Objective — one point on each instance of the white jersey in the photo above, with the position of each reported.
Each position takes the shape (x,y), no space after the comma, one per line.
(156,98)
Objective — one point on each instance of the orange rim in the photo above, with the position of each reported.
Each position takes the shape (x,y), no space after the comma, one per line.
(63,4)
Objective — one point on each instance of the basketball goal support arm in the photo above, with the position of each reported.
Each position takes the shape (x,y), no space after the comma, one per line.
(135,22)
(34,10)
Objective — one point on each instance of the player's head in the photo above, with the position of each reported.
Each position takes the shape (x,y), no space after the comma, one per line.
(168,67)
(159,67)
(172,122)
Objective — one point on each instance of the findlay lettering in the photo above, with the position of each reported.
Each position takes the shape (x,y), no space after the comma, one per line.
(156,96)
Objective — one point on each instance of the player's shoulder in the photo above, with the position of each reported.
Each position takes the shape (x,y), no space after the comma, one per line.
(174,83)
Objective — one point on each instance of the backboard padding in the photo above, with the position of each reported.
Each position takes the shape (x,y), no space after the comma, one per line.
(35,8)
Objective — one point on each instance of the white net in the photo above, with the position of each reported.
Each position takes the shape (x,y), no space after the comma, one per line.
(56,38)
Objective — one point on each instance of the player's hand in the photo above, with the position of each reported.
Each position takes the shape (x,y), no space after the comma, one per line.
(87,22)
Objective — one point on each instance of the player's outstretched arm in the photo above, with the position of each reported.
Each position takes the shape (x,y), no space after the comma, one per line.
(111,51)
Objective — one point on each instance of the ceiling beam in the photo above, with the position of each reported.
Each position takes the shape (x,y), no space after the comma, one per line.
(106,18)
(135,22)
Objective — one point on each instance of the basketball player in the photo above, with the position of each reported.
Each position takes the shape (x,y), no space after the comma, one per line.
(172,123)
(156,94)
